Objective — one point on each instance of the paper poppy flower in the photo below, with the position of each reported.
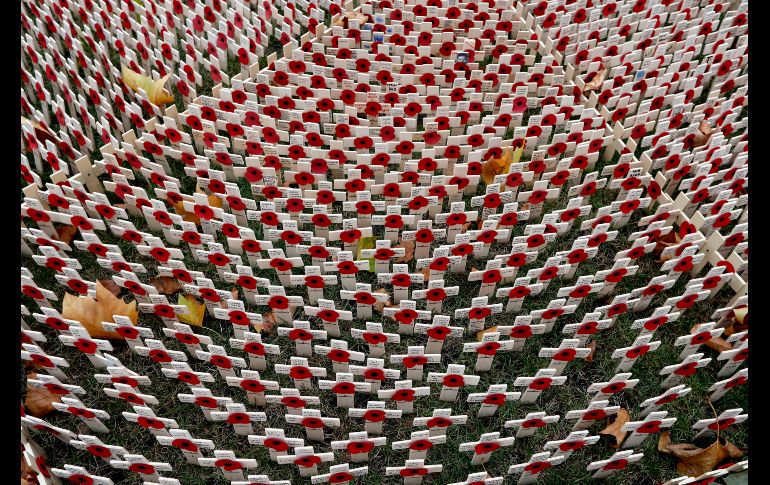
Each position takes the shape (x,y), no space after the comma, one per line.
(435,294)
(374,374)
(403,395)
(537,467)
(453,380)
(344,388)
(373,338)
(356,447)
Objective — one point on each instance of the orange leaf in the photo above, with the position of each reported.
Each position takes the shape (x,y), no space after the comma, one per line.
(92,312)
(613,428)
(39,400)
(695,461)
(66,233)
(592,346)
(166,285)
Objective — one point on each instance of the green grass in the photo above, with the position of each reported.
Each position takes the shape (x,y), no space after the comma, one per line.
(654,468)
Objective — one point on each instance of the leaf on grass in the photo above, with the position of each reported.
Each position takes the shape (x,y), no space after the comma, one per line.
(269,322)
(178,207)
(92,312)
(695,461)
(28,475)
(166,285)
(613,428)
(195,310)
(408,252)
(66,233)
(380,305)
(234,293)
(39,400)
(497,166)
(480,334)
(156,93)
(592,346)
(111,286)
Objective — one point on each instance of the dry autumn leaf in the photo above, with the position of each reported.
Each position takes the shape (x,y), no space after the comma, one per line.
(596,81)
(166,285)
(178,206)
(269,323)
(702,134)
(497,166)
(66,233)
(408,252)
(613,430)
(591,345)
(156,93)
(480,334)
(42,133)
(695,461)
(717,343)
(39,400)
(92,312)
(112,286)
(741,315)
(195,311)
(380,305)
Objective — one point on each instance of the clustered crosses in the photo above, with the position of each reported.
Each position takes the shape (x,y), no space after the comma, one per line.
(400,185)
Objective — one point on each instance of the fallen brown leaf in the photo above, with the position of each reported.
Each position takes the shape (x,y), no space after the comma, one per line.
(39,400)
(234,293)
(703,134)
(613,430)
(111,286)
(66,233)
(497,166)
(380,305)
(695,461)
(92,312)
(408,252)
(166,285)
(596,81)
(269,323)
(28,475)
(670,239)
(591,345)
(425,273)
(480,334)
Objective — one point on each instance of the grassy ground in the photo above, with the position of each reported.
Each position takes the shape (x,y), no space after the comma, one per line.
(654,468)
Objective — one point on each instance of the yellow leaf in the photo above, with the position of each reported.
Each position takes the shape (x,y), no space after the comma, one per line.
(740,313)
(92,312)
(214,201)
(195,311)
(496,166)
(367,243)
(156,94)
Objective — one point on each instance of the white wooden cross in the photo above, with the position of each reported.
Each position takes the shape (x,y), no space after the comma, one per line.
(347,268)
(419,443)
(618,461)
(217,356)
(590,325)
(611,277)
(239,417)
(205,400)
(735,358)
(414,361)
(538,463)
(687,367)
(339,355)
(413,471)
(405,314)
(251,343)
(483,448)
(91,417)
(299,370)
(719,389)
(573,442)
(654,403)
(313,422)
(92,348)
(78,474)
(493,273)
(699,335)
(400,279)
(521,330)
(341,474)
(358,445)
(147,419)
(236,314)
(543,379)
(491,400)
(552,312)
(142,466)
(281,264)
(97,447)
(438,331)
(276,442)
(533,421)
(345,388)
(375,373)
(184,334)
(423,236)
(481,478)
(303,336)
(365,299)
(595,411)
(306,459)
(160,307)
(282,306)
(375,337)
(435,295)
(646,294)
(50,363)
(452,380)
(565,353)
(374,415)
(725,419)
(660,316)
(189,446)
(616,384)
(455,220)
(640,430)
(550,271)
(404,394)
(315,282)
(226,461)
(329,316)
(487,349)
(478,312)
(629,355)
(440,420)
(382,255)
(243,278)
